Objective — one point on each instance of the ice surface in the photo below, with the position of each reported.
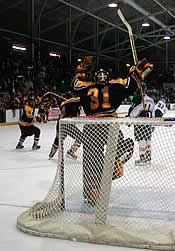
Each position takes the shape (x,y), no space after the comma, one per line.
(26,177)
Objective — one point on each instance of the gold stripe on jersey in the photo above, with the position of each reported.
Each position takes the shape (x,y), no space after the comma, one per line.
(69,101)
(25,123)
(80,83)
(62,109)
(118,81)
(115,115)
(142,149)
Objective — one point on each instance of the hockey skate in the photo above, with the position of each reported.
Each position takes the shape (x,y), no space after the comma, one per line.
(145,159)
(52,152)
(71,155)
(35,147)
(19,146)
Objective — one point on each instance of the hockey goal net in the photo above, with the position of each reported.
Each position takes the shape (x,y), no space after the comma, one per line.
(103,196)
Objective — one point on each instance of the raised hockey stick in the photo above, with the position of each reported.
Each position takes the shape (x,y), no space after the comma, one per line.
(131,37)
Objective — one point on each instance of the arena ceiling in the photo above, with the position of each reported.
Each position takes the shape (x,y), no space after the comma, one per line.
(81,27)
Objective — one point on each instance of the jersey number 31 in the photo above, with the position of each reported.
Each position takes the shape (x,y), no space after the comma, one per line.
(96,94)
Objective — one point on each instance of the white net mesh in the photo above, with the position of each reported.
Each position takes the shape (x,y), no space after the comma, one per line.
(104,195)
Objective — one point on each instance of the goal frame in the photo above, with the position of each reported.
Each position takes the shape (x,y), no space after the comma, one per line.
(39,221)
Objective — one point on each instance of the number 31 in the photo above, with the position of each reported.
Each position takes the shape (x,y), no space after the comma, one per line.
(94,95)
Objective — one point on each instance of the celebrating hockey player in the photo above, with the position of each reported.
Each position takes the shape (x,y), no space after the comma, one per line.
(143,133)
(26,125)
(101,98)
(143,107)
(69,108)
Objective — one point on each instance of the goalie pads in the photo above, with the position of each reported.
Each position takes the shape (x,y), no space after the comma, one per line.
(141,70)
(125,150)
(118,170)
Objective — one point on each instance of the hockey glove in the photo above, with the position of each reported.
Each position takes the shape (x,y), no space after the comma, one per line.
(141,70)
(88,60)
(86,64)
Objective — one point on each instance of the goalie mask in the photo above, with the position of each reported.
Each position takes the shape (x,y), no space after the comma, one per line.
(101,77)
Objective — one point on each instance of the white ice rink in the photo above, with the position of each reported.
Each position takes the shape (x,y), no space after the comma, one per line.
(26,177)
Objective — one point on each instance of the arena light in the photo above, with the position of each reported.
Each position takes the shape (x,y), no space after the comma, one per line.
(112,5)
(128,65)
(145,24)
(54,54)
(19,47)
(79,60)
(166,37)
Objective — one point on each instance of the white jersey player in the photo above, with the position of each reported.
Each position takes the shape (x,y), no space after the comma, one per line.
(143,133)
(144,107)
(160,108)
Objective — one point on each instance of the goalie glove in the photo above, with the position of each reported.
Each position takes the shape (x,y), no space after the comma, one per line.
(88,60)
(141,70)
(86,67)
(86,64)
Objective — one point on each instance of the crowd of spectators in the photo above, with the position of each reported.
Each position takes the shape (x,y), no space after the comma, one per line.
(18,76)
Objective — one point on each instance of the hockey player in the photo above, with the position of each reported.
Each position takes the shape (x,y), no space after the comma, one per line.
(143,133)
(44,110)
(160,108)
(69,108)
(26,125)
(101,99)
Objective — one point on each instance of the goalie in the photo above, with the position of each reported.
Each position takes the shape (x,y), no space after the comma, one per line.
(101,98)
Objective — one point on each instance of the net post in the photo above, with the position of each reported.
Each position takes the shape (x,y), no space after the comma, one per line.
(106,181)
(61,165)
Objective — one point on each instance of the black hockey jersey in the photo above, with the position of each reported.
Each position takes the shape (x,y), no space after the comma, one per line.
(103,100)
(70,107)
(27,116)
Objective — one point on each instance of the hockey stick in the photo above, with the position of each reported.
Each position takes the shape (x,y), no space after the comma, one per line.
(131,38)
(55,94)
